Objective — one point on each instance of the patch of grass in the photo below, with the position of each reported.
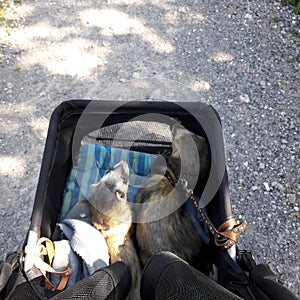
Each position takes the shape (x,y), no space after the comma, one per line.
(277,20)
(17,1)
(3,5)
(294,3)
(295,33)
(3,41)
(3,18)
(2,12)
(298,57)
(17,68)
(9,22)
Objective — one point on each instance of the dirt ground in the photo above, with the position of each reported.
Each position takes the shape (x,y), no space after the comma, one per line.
(239,56)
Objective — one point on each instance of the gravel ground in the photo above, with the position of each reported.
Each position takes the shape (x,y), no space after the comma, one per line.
(239,56)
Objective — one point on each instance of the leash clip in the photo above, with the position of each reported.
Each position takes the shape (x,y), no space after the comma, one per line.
(184,184)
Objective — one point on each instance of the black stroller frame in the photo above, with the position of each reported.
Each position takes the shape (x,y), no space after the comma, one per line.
(237,270)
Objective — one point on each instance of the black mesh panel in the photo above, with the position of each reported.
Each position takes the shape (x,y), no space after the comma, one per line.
(112,282)
(167,277)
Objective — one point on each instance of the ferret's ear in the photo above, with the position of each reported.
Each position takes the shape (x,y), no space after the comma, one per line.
(175,127)
(94,186)
(178,131)
(175,151)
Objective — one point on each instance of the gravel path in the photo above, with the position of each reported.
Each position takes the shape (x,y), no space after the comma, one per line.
(239,56)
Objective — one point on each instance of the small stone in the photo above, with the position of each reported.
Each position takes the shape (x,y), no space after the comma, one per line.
(283,141)
(263,84)
(106,43)
(266,186)
(246,164)
(19,238)
(261,166)
(245,98)
(18,215)
(136,75)
(279,187)
(274,183)
(279,269)
(254,188)
(289,284)
(296,208)
(291,198)
(26,199)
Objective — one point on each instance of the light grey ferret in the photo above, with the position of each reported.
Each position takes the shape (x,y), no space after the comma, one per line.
(111,215)
(174,232)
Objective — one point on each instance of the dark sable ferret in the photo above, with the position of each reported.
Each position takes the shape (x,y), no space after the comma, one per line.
(174,232)
(111,214)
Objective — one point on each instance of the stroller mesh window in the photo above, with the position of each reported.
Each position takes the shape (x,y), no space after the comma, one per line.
(151,137)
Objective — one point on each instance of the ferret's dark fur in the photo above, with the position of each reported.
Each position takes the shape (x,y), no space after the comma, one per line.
(111,214)
(175,232)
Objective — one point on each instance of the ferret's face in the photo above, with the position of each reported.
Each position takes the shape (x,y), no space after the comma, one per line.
(109,194)
(187,149)
(114,185)
(108,200)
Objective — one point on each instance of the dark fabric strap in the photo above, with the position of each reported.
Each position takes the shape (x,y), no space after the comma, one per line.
(227,234)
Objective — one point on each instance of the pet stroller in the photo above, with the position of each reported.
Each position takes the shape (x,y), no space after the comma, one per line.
(84,139)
